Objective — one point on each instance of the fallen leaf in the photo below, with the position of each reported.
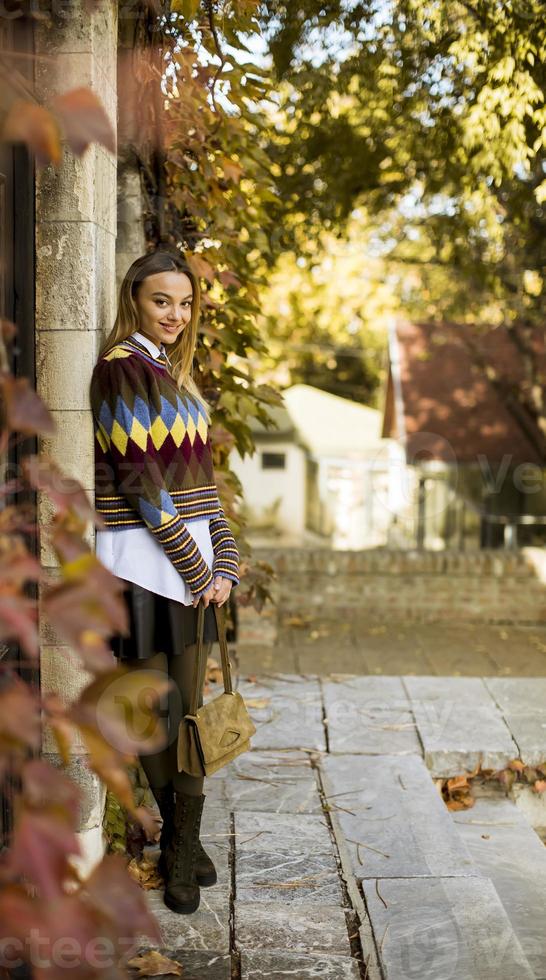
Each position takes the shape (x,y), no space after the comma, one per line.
(154,964)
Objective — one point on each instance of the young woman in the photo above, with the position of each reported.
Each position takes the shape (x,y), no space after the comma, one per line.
(166,534)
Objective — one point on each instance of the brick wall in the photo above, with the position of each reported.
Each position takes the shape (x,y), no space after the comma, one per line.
(487,586)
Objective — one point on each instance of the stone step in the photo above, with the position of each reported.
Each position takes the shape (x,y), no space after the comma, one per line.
(392,817)
(431,909)
(445,928)
(459,724)
(506,849)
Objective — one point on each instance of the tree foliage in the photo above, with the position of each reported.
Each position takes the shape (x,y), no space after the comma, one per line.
(435,109)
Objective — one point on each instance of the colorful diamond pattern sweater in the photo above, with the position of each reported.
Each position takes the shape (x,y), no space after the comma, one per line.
(153,461)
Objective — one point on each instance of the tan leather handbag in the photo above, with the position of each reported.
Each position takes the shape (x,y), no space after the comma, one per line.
(211,736)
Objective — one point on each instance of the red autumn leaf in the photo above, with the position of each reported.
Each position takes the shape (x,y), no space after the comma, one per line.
(118,897)
(84,120)
(40,849)
(18,621)
(109,766)
(88,607)
(63,931)
(228,278)
(15,570)
(25,410)
(83,617)
(48,788)
(63,730)
(20,723)
(35,126)
(216,358)
(44,473)
(200,267)
(8,330)
(232,169)
(122,704)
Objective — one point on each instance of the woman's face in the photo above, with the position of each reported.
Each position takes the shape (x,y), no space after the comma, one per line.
(163,303)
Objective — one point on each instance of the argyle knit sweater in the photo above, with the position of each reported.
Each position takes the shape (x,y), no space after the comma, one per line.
(153,461)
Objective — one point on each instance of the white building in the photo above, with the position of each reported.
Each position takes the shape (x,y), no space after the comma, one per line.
(324,474)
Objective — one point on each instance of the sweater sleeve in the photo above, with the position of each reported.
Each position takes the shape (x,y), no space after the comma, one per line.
(226,555)
(120,402)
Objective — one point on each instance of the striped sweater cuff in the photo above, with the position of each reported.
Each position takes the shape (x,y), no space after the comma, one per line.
(183,552)
(226,555)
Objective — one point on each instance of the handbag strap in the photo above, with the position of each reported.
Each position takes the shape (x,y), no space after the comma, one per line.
(200,665)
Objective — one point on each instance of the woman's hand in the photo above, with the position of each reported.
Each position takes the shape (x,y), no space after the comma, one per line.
(217,592)
(222,588)
(207,596)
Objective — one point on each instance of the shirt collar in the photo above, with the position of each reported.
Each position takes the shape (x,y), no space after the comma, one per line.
(154,350)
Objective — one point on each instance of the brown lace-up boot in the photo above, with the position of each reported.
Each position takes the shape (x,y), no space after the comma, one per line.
(205,870)
(182,889)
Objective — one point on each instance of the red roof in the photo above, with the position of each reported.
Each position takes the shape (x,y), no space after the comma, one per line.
(445,404)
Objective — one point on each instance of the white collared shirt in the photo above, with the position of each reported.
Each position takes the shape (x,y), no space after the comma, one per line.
(134,555)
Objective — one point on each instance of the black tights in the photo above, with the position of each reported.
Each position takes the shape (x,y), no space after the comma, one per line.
(162,767)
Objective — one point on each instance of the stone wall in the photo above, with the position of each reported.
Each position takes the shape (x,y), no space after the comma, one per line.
(486,586)
(76,224)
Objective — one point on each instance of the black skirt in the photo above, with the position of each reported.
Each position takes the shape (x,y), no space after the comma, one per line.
(158,623)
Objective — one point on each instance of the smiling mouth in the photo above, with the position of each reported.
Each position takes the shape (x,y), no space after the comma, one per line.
(169,326)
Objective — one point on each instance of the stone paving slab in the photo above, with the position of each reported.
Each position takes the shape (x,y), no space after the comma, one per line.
(287,879)
(443,929)
(279,964)
(207,928)
(510,853)
(291,832)
(529,734)
(276,781)
(313,929)
(199,965)
(376,692)
(287,712)
(518,695)
(466,690)
(392,817)
(459,725)
(458,737)
(371,715)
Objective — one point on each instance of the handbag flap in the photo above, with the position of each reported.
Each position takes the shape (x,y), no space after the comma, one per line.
(223,724)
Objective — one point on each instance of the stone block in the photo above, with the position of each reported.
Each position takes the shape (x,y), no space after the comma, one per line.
(392,818)
(205,929)
(273,782)
(197,964)
(467,690)
(278,964)
(457,737)
(79,189)
(529,734)
(67,267)
(509,852)
(518,695)
(287,712)
(290,833)
(444,928)
(92,789)
(369,715)
(320,930)
(64,362)
(267,876)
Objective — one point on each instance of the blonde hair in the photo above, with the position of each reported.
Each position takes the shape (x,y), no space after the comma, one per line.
(181,353)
